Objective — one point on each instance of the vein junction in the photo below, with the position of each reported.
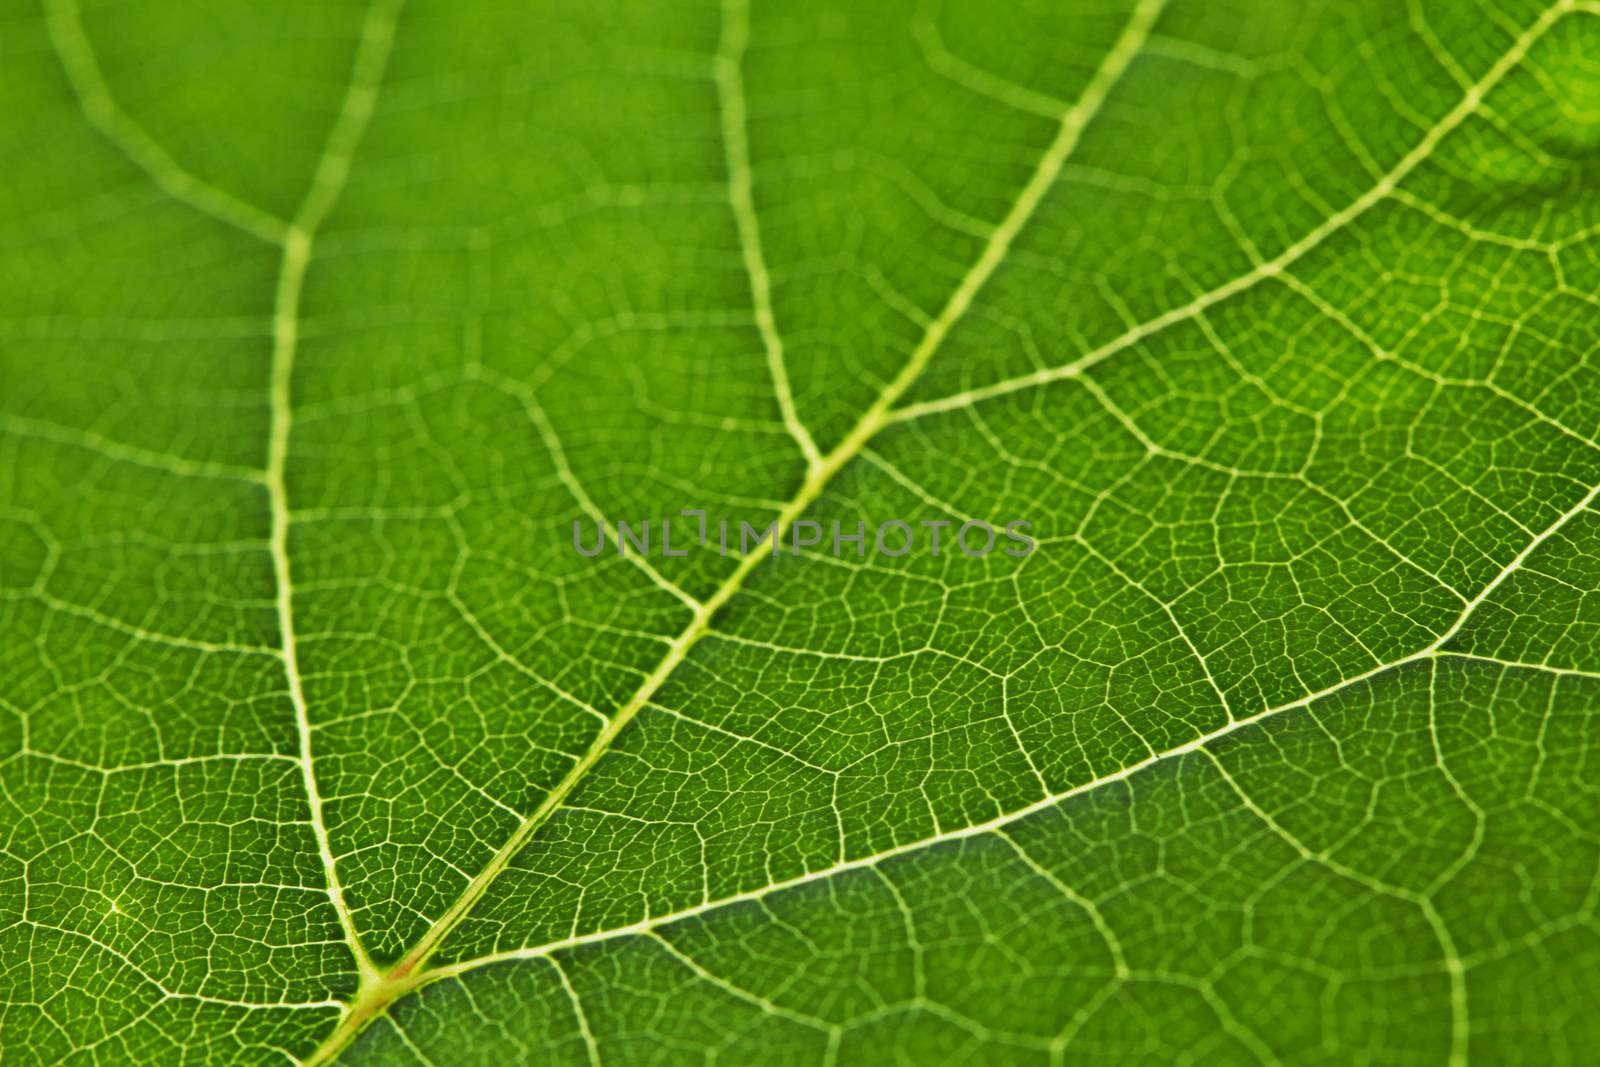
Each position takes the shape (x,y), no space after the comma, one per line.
(297,238)
(413,971)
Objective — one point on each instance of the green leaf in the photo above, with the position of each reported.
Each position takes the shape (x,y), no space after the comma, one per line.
(322,325)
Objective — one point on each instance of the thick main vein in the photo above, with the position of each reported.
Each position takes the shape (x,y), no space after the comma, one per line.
(402,977)
(71,43)
(1276,267)
(332,168)
(1435,649)
(883,412)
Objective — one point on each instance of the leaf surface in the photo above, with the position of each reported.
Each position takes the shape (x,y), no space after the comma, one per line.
(323,325)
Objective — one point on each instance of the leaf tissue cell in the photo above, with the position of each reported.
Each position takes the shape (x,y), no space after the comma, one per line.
(1133,584)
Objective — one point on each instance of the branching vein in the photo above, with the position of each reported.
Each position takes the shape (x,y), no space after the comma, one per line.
(101,108)
(406,974)
(371,57)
